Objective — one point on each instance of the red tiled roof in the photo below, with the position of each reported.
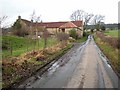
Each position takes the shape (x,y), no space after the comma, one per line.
(52,24)
(62,24)
(78,23)
(66,24)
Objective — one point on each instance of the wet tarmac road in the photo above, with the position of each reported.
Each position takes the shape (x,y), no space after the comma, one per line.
(84,66)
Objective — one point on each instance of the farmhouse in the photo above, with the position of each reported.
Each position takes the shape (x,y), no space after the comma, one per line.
(57,27)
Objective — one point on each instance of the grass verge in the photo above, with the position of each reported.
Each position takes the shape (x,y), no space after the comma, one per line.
(112,54)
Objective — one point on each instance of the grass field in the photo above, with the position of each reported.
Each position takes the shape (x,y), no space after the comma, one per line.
(21,45)
(114,33)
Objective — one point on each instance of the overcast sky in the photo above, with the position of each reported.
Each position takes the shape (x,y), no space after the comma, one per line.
(58,10)
(119,12)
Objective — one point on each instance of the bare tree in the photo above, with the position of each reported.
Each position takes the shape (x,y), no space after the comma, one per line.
(32,16)
(81,15)
(35,19)
(87,18)
(34,22)
(77,15)
(97,19)
(2,19)
(46,35)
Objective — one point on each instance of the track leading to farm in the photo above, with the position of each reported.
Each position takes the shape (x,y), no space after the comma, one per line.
(84,66)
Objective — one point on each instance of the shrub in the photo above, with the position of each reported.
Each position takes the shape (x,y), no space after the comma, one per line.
(73,34)
(114,42)
(85,34)
(71,39)
(103,28)
(62,36)
(20,32)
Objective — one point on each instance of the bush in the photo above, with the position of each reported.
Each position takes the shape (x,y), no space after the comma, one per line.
(73,34)
(85,34)
(114,42)
(62,36)
(71,39)
(20,32)
(103,28)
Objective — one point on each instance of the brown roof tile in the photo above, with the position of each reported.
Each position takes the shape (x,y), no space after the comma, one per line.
(65,24)
(52,24)
(78,23)
(68,25)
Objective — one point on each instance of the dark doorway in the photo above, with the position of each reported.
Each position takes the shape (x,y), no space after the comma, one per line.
(63,29)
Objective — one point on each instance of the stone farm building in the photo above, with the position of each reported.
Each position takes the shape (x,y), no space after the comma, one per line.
(57,27)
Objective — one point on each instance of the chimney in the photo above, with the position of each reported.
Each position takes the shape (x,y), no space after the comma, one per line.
(19,17)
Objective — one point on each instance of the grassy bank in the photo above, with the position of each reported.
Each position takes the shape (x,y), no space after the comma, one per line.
(112,53)
(14,72)
(19,45)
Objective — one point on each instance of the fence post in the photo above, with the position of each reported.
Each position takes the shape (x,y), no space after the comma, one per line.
(10,47)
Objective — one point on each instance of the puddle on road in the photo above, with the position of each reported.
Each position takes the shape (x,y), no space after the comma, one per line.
(53,68)
(61,62)
(102,56)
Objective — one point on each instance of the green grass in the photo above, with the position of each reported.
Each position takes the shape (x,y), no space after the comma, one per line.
(111,53)
(114,33)
(21,45)
(83,39)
